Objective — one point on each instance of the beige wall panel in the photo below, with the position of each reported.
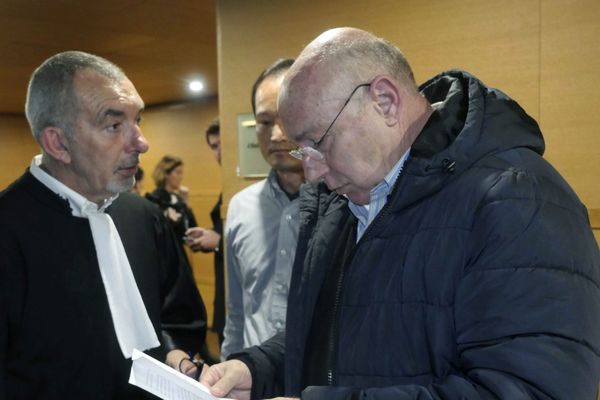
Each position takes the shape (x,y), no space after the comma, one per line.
(570,92)
(497,41)
(179,130)
(17,148)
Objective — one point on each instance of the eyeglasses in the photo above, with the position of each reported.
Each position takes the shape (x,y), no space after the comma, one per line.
(312,151)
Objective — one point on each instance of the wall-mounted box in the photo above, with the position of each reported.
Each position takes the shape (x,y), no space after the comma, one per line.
(250,160)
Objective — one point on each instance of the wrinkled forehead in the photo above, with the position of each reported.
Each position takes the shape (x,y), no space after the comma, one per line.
(89,78)
(100,90)
(296,110)
(305,102)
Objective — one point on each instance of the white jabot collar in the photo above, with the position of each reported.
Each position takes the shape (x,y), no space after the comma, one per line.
(130,317)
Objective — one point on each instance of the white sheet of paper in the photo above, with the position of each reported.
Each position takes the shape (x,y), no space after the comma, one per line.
(163,381)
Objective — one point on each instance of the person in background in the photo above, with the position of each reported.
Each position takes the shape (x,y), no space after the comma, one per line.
(211,239)
(138,186)
(440,256)
(262,228)
(88,271)
(171,196)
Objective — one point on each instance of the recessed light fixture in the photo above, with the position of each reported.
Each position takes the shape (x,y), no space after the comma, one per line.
(196,86)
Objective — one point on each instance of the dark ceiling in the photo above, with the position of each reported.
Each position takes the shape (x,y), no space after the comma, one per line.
(160,44)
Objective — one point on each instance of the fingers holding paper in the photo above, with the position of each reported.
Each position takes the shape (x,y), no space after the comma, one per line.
(230,379)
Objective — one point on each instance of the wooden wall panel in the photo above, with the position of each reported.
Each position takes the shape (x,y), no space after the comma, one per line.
(570,92)
(17,148)
(179,130)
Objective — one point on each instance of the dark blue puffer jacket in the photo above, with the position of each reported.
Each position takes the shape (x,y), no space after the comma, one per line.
(479,278)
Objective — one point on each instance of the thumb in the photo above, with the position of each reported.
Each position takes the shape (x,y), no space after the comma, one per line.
(223,386)
(194,232)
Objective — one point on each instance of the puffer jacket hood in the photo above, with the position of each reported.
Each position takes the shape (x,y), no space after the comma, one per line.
(492,122)
(478,121)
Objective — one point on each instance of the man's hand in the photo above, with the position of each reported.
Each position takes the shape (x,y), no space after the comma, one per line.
(230,379)
(171,214)
(180,361)
(202,239)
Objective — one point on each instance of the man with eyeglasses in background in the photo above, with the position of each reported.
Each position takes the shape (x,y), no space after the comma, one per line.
(262,228)
(440,256)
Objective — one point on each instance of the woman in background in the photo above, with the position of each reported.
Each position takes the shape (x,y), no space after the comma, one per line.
(171,196)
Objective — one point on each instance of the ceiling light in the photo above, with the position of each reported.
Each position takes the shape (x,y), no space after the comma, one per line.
(196,86)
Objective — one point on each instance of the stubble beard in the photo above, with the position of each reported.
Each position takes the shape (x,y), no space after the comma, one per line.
(123,185)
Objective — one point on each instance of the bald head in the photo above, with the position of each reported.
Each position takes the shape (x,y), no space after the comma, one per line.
(349,54)
(337,60)
(358,52)
(350,100)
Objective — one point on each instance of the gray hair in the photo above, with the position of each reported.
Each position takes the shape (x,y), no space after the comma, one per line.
(51,100)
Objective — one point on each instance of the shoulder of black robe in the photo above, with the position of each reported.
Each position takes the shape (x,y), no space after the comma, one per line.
(149,240)
(160,197)
(57,340)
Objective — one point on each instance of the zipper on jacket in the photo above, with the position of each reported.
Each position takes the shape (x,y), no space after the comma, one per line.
(340,284)
(334,324)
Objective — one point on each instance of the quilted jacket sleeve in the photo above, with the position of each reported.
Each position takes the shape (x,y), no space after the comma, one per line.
(266,366)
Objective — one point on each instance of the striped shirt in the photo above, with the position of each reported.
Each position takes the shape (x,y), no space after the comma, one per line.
(367,213)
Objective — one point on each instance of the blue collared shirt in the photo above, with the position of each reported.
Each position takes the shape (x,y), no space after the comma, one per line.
(367,213)
(261,233)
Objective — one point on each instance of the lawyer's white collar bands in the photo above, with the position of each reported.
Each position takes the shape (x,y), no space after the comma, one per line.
(130,318)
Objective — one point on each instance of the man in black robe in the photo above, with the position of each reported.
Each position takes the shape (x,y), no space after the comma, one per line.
(67,327)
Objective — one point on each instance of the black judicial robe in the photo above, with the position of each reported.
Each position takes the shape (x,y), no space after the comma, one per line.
(57,339)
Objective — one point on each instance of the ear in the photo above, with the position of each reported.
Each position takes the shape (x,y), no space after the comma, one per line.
(386,93)
(55,144)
